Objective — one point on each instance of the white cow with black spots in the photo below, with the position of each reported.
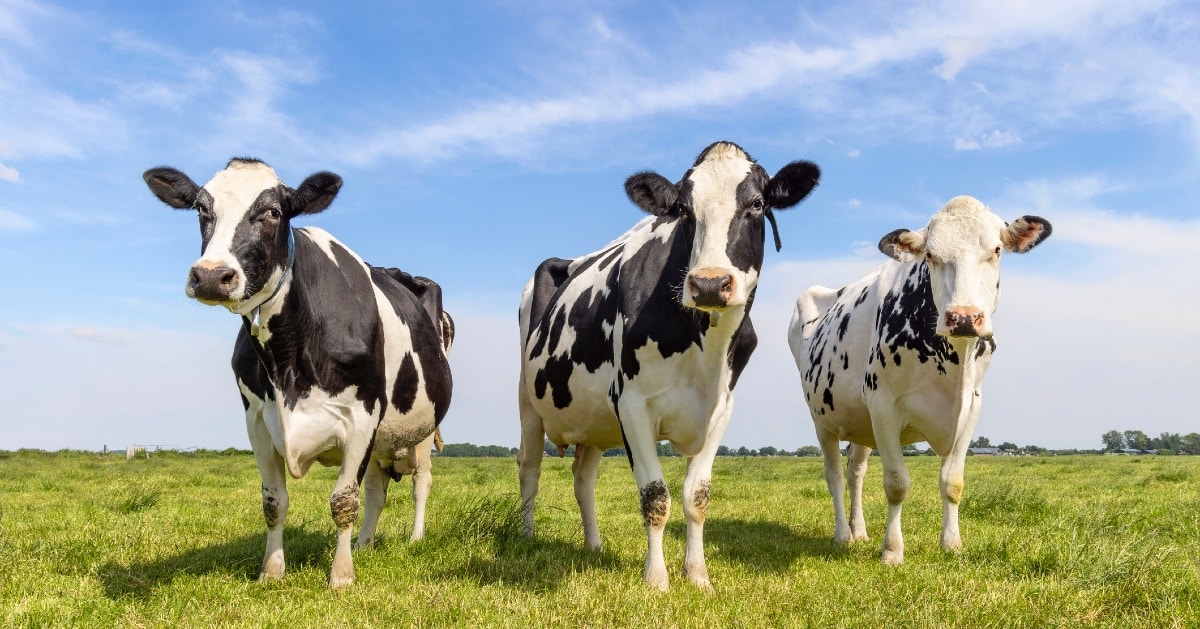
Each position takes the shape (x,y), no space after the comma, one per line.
(644,339)
(899,357)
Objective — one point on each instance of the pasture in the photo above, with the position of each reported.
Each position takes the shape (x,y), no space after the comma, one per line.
(176,540)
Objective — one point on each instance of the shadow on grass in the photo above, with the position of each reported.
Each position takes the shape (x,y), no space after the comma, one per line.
(534,565)
(238,558)
(761,545)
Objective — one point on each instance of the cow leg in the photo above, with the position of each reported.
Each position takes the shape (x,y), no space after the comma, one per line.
(343,506)
(274,494)
(951,484)
(529,456)
(895,486)
(584,469)
(833,480)
(375,486)
(422,479)
(655,499)
(856,469)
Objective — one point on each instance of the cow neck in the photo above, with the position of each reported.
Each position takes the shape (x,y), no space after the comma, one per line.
(255,317)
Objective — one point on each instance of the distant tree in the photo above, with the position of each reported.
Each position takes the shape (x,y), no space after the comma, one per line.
(1190,443)
(666,449)
(768,451)
(909,450)
(1137,440)
(723,451)
(1167,441)
(615,452)
(1008,445)
(743,451)
(1113,441)
(981,442)
(808,451)
(1031,449)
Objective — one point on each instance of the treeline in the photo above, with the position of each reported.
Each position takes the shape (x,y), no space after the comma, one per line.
(1164,443)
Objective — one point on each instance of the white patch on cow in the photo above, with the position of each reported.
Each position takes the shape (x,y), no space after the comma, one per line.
(233,190)
(961,245)
(324,240)
(714,203)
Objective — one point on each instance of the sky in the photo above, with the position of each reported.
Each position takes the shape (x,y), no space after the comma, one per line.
(476,139)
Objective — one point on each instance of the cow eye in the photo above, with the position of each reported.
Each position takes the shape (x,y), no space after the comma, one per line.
(997,251)
(272,214)
(758,204)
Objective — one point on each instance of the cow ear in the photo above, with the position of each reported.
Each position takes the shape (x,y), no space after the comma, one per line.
(1025,233)
(900,242)
(791,184)
(316,193)
(172,187)
(652,192)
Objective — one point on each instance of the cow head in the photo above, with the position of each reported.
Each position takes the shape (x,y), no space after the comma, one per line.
(722,202)
(961,247)
(245,213)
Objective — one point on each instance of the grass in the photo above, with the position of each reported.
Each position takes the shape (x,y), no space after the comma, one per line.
(176,540)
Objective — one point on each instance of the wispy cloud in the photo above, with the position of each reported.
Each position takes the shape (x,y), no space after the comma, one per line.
(827,79)
(8,173)
(94,335)
(11,221)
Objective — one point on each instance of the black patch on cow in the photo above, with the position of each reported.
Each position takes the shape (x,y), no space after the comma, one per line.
(556,374)
(843,326)
(649,292)
(745,340)
(985,346)
(746,230)
(906,321)
(404,391)
(423,316)
(549,276)
(827,398)
(248,368)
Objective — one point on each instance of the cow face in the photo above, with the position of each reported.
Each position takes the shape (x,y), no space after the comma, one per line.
(722,202)
(961,247)
(245,213)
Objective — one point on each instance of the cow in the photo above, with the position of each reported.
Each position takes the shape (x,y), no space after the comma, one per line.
(337,361)
(899,357)
(644,340)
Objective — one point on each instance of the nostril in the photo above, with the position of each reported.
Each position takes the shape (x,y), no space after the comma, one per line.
(693,287)
(726,283)
(228,276)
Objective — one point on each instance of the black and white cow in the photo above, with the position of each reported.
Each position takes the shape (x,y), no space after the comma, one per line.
(644,339)
(899,357)
(338,362)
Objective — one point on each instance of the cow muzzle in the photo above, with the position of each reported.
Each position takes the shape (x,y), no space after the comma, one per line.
(965,321)
(212,283)
(711,289)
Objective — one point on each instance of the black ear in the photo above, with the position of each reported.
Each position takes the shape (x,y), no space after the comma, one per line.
(316,193)
(172,187)
(1025,233)
(652,192)
(791,184)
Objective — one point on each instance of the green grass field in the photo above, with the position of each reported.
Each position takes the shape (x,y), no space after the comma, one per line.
(176,540)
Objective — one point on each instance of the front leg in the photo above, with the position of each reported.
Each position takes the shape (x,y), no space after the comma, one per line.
(655,500)
(895,486)
(856,468)
(343,507)
(697,485)
(274,493)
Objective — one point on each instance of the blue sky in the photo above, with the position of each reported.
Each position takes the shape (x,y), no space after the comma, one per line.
(476,141)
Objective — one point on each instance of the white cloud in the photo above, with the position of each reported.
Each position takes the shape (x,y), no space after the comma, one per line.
(93,335)
(8,173)
(11,221)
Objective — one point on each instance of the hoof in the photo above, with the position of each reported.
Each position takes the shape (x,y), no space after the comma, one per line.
(656,579)
(892,558)
(340,583)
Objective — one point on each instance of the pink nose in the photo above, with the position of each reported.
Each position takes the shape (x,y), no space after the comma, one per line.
(964,321)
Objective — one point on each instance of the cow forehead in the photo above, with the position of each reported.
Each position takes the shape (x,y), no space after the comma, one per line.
(235,188)
(715,180)
(963,225)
